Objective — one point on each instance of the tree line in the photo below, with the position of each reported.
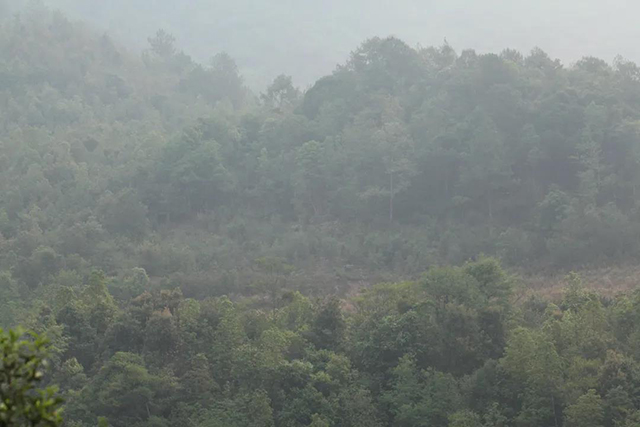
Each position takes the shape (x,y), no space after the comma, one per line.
(191,249)
(401,159)
(462,346)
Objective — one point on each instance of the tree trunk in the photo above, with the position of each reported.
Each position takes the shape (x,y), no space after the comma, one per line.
(490,200)
(391,197)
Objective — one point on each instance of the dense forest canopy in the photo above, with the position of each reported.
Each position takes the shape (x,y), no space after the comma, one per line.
(202,254)
(306,39)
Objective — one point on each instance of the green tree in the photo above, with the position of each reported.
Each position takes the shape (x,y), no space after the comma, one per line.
(11,301)
(162,44)
(281,94)
(318,421)
(126,392)
(313,183)
(465,419)
(531,358)
(421,398)
(328,328)
(22,401)
(589,153)
(275,272)
(588,411)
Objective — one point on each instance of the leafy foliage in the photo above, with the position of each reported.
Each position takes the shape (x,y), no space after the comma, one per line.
(197,255)
(22,402)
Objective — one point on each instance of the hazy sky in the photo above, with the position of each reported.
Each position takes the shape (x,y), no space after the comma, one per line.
(306,38)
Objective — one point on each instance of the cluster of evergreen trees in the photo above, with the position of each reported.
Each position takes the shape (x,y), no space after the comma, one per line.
(450,349)
(403,158)
(137,191)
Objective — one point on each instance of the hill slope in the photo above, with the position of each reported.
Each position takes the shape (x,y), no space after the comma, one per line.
(401,159)
(307,39)
(183,244)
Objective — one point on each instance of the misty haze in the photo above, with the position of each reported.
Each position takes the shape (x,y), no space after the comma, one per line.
(307,39)
(319,214)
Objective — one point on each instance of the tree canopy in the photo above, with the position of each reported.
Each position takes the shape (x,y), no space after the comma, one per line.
(197,254)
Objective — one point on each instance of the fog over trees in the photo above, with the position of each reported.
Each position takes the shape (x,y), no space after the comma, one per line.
(306,39)
(277,215)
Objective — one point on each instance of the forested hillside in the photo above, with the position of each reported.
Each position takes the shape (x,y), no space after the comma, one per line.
(203,255)
(306,39)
